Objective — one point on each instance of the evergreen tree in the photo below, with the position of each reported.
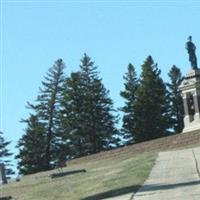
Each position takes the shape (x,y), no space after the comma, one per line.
(32,147)
(47,110)
(151,104)
(88,110)
(4,154)
(176,103)
(131,84)
(73,116)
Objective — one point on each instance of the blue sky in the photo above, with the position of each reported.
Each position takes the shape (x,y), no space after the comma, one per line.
(113,33)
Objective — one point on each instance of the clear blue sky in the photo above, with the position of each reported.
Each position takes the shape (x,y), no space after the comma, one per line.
(36,33)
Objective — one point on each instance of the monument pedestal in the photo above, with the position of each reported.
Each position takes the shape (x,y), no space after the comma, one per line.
(190,88)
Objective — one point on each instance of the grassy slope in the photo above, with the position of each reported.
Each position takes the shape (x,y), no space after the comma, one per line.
(108,174)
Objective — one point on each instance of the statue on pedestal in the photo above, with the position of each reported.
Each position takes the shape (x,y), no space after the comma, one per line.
(190,46)
(190,91)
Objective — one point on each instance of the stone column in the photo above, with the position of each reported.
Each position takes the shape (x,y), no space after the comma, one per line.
(197,105)
(185,104)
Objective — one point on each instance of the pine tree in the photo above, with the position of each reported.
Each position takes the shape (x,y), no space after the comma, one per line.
(176,103)
(88,110)
(99,118)
(73,116)
(32,147)
(151,104)
(4,154)
(47,110)
(131,84)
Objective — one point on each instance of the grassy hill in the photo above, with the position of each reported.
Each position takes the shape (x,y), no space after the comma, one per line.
(98,176)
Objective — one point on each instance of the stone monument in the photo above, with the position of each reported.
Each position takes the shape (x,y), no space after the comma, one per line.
(3,178)
(190,89)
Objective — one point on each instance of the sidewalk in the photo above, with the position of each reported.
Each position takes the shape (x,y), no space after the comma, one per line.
(174,177)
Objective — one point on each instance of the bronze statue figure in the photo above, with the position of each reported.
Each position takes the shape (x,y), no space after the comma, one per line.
(190,46)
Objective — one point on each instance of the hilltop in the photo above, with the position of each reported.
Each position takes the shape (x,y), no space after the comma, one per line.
(101,175)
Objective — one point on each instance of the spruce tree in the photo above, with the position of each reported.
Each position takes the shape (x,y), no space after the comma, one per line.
(47,110)
(31,147)
(4,155)
(73,116)
(99,118)
(151,104)
(176,103)
(130,87)
(88,110)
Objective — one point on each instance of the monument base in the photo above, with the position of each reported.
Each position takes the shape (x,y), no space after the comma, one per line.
(190,88)
(191,128)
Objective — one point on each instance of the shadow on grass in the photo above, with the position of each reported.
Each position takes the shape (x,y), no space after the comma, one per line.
(133,189)
(5,198)
(155,187)
(61,174)
(114,193)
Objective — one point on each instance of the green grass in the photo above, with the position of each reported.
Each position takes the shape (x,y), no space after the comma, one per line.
(109,174)
(104,178)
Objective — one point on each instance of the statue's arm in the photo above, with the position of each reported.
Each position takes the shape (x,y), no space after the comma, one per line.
(186,46)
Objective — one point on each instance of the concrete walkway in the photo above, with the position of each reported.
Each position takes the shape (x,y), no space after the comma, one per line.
(176,176)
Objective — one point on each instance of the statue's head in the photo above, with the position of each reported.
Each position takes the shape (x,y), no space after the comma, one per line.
(190,38)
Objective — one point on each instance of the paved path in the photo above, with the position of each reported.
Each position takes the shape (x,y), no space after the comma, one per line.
(176,176)
(122,197)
